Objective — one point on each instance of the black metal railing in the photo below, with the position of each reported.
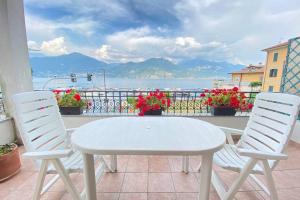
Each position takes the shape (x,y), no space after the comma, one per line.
(183,103)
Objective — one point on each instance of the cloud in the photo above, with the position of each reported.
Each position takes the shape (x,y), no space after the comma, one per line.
(230,30)
(143,43)
(52,47)
(33,45)
(40,29)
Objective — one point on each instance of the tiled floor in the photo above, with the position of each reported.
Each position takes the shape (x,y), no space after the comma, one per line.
(157,178)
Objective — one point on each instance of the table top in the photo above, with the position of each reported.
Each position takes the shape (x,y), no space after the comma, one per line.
(148,136)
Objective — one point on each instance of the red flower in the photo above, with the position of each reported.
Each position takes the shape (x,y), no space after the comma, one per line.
(68,91)
(168,102)
(77,97)
(202,95)
(56,91)
(250,106)
(235,89)
(156,107)
(141,114)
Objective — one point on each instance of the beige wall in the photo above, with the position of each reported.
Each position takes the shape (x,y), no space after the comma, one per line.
(251,77)
(274,81)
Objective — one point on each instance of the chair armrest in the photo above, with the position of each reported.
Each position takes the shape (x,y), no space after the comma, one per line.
(260,155)
(70,130)
(48,154)
(229,132)
(232,131)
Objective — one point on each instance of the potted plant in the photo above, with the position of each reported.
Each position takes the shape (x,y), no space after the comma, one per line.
(151,104)
(10,163)
(225,102)
(70,102)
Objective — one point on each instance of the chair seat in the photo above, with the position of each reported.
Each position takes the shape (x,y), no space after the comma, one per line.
(73,163)
(228,158)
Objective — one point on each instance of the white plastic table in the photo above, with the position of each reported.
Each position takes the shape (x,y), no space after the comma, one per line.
(148,136)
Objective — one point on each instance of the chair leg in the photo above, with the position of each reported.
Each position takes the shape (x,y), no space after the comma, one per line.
(49,184)
(66,179)
(40,180)
(270,180)
(185,164)
(242,177)
(218,184)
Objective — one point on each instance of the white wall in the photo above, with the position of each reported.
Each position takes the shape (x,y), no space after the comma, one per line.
(232,122)
(15,72)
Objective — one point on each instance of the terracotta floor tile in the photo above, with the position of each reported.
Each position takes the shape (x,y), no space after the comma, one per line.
(252,195)
(133,196)
(108,196)
(59,186)
(161,196)
(111,182)
(24,195)
(159,164)
(285,179)
(160,182)
(284,194)
(229,177)
(194,163)
(185,182)
(175,163)
(122,163)
(13,183)
(137,164)
(187,196)
(198,179)
(53,195)
(135,182)
(139,184)
(194,196)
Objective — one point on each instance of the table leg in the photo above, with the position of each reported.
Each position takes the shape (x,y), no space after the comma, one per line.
(205,176)
(113,163)
(89,176)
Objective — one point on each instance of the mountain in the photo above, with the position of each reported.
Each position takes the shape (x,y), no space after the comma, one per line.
(152,68)
(65,64)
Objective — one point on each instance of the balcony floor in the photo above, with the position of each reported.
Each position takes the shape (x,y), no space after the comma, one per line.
(156,178)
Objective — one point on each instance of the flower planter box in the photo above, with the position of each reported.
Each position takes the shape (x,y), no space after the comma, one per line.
(70,110)
(222,111)
(10,164)
(153,112)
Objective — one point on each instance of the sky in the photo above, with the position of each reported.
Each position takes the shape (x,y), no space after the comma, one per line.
(134,30)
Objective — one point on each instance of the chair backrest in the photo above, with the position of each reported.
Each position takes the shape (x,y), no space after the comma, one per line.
(39,121)
(271,122)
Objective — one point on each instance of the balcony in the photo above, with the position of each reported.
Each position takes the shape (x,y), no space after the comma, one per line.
(156,177)
(138,177)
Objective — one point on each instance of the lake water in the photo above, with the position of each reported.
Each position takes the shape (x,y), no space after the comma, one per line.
(122,83)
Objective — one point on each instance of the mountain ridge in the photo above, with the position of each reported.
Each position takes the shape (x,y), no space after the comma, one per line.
(151,68)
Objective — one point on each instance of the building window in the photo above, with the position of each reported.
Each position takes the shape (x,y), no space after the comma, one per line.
(275,57)
(271,88)
(273,73)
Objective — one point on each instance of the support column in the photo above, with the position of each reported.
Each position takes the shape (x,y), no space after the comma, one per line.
(15,71)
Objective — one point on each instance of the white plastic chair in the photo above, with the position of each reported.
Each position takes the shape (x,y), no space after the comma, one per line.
(262,144)
(47,141)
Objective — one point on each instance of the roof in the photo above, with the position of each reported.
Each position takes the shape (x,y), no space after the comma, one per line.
(251,69)
(283,44)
